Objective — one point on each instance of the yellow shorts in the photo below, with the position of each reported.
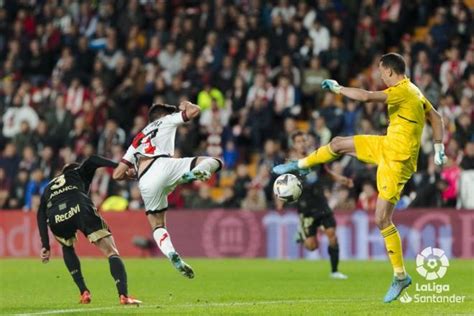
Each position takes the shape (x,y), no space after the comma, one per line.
(392,173)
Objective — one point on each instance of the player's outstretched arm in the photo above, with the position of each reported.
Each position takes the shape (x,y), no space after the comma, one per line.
(437,124)
(353,93)
(339,178)
(123,172)
(190,110)
(43,230)
(90,165)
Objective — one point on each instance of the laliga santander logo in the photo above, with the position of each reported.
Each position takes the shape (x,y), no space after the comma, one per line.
(432,263)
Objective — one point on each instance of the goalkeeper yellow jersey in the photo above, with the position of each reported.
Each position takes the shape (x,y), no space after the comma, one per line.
(407,108)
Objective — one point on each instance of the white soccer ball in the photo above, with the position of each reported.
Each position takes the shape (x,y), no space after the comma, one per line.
(287,188)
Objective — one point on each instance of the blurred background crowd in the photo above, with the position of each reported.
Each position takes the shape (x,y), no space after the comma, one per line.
(77,78)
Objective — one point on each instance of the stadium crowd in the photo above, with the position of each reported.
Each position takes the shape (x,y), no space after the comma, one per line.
(77,78)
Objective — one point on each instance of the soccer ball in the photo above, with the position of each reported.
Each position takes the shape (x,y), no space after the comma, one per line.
(287,188)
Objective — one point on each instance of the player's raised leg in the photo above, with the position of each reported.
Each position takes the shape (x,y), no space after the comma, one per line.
(393,244)
(163,240)
(73,264)
(324,154)
(201,169)
(117,269)
(333,250)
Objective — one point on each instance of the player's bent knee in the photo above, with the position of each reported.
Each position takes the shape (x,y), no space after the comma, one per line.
(311,244)
(110,251)
(220,162)
(382,222)
(332,238)
(337,144)
(113,253)
(67,249)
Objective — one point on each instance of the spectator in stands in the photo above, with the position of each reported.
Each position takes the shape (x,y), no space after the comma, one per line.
(170,59)
(29,160)
(230,155)
(16,114)
(320,36)
(258,123)
(24,137)
(450,174)
(464,129)
(319,128)
(34,187)
(332,114)
(467,162)
(5,185)
(453,66)
(242,181)
(112,135)
(202,200)
(286,103)
(271,154)
(342,200)
(441,30)
(261,88)
(136,202)
(430,88)
(312,78)
(288,70)
(351,117)
(427,187)
(68,69)
(60,121)
(254,200)
(47,162)
(208,95)
(368,197)
(228,199)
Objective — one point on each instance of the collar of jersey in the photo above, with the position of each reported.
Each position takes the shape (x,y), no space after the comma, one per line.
(401,81)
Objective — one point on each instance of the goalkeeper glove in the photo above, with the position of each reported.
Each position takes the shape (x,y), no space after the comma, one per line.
(332,85)
(440,157)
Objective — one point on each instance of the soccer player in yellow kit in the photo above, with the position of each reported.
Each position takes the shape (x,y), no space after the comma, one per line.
(395,154)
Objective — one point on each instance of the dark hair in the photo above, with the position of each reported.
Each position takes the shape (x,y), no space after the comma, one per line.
(158,110)
(395,62)
(70,166)
(296,134)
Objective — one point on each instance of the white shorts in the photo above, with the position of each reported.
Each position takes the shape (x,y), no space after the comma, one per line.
(160,179)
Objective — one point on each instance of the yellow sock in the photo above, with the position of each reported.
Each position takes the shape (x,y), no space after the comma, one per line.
(393,243)
(321,155)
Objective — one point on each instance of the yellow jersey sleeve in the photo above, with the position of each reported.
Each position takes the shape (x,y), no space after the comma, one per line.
(427,106)
(393,95)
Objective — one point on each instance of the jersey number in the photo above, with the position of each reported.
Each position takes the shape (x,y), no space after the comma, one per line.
(145,139)
(58,182)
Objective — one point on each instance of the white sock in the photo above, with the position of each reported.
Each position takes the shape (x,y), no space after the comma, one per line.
(163,240)
(208,164)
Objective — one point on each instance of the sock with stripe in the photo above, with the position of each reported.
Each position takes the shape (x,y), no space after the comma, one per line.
(393,243)
(211,165)
(162,238)
(74,266)
(117,269)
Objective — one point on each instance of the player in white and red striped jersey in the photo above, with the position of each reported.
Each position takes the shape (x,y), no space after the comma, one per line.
(150,156)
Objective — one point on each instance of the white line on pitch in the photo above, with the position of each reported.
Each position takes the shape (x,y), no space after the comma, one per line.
(211,304)
(65,311)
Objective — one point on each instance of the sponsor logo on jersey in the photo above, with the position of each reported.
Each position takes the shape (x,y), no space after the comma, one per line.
(62,190)
(64,217)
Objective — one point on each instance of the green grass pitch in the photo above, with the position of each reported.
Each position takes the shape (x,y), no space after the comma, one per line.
(223,287)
